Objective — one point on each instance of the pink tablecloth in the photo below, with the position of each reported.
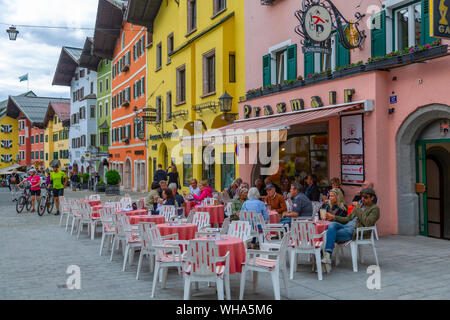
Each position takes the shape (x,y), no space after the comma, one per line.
(141,212)
(322,226)
(216,213)
(146,218)
(185,231)
(189,206)
(92,202)
(236,248)
(95,210)
(274,217)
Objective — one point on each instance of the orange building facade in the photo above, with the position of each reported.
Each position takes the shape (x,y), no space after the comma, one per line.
(128,152)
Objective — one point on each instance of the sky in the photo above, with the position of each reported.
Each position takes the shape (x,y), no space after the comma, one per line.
(36,51)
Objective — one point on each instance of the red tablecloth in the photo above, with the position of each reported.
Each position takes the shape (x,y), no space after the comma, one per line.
(141,212)
(189,206)
(322,226)
(145,218)
(236,248)
(216,213)
(92,202)
(185,231)
(274,217)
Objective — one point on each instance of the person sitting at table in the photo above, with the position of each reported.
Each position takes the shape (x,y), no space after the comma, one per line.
(335,184)
(193,188)
(206,192)
(254,204)
(260,186)
(343,229)
(312,191)
(162,186)
(275,200)
(168,199)
(268,181)
(180,203)
(335,203)
(301,205)
(232,190)
(236,204)
(365,185)
(150,200)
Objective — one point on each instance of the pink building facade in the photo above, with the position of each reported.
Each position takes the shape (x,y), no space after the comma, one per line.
(400,109)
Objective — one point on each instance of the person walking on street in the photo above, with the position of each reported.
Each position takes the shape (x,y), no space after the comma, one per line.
(58,180)
(174,177)
(160,174)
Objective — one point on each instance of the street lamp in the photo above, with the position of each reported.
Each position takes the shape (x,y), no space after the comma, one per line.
(12,33)
(226,102)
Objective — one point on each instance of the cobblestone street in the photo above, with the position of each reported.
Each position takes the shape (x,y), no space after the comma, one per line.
(35,253)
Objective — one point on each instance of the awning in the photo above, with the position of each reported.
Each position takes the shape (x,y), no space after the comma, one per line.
(10,169)
(273,127)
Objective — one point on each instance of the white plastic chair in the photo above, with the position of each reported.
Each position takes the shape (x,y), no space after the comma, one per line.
(141,204)
(228,208)
(146,246)
(169,212)
(208,202)
(240,229)
(201,219)
(315,206)
(132,239)
(254,221)
(202,263)
(256,263)
(94,197)
(65,208)
(84,219)
(355,246)
(126,202)
(168,254)
(306,241)
(108,231)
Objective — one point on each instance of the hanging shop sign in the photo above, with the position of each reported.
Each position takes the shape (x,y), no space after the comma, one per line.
(440,18)
(319,19)
(164,136)
(352,149)
(296,104)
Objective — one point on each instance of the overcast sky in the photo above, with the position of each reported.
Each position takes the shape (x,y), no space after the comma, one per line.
(37,50)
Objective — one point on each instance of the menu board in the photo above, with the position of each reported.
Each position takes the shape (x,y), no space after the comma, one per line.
(352,149)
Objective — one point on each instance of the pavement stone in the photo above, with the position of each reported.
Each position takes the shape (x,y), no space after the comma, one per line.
(36,252)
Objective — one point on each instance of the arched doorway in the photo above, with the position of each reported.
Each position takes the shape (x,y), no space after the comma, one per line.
(128,183)
(414,140)
(164,156)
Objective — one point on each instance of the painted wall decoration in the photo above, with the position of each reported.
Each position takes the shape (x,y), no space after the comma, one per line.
(352,149)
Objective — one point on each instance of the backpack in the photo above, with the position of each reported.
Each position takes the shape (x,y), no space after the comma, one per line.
(13,179)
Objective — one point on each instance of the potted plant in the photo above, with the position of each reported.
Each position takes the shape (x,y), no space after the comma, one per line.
(100,187)
(85,180)
(271,89)
(428,51)
(293,83)
(125,68)
(318,77)
(125,104)
(254,93)
(350,69)
(112,180)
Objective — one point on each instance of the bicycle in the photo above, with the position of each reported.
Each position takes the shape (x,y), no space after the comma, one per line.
(46,202)
(24,201)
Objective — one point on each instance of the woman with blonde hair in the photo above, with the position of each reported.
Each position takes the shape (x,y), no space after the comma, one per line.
(335,204)
(205,192)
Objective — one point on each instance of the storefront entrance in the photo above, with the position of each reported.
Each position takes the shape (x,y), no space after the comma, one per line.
(433,175)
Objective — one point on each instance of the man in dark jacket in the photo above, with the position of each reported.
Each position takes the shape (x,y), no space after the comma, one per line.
(160,174)
(344,228)
(312,191)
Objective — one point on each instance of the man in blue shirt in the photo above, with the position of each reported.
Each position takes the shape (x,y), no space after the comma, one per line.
(301,205)
(254,204)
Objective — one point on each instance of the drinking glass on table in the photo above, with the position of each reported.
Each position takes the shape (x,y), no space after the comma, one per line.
(323,214)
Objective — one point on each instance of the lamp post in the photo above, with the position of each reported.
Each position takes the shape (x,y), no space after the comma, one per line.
(12,33)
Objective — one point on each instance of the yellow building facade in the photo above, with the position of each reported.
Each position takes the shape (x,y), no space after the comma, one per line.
(9,141)
(56,143)
(196,55)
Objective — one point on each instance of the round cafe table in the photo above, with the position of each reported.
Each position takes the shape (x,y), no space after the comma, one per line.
(145,218)
(236,247)
(95,210)
(216,213)
(141,212)
(92,202)
(185,231)
(189,206)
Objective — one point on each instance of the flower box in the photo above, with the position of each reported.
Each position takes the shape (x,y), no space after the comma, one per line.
(384,63)
(318,78)
(349,71)
(270,90)
(251,95)
(432,52)
(125,68)
(125,104)
(292,85)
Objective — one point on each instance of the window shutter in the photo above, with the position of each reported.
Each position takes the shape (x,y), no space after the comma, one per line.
(342,54)
(425,25)
(378,34)
(143,85)
(134,90)
(266,70)
(292,62)
(309,63)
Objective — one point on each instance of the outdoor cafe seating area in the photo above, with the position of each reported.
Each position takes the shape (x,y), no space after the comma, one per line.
(202,244)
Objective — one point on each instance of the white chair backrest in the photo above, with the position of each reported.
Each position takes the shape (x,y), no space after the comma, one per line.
(239,229)
(190,217)
(302,234)
(228,208)
(316,206)
(155,236)
(141,204)
(201,219)
(126,202)
(225,226)
(168,212)
(94,197)
(208,202)
(253,218)
(202,255)
(106,218)
(144,232)
(284,247)
(118,206)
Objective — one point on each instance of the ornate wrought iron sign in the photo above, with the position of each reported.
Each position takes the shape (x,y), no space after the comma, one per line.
(319,19)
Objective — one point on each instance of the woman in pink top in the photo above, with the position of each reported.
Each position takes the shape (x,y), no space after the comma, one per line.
(35,182)
(205,192)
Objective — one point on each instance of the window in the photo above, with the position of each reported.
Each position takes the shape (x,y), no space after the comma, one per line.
(169,46)
(100,110)
(46,138)
(209,168)
(82,113)
(169,106)
(209,72)
(83,141)
(55,155)
(36,155)
(21,124)
(106,108)
(143,85)
(55,137)
(123,40)
(32,155)
(232,67)
(104,139)
(21,140)
(46,157)
(42,138)
(281,64)
(181,85)
(92,87)
(82,73)
(188,171)
(100,89)
(42,155)
(158,109)
(408,26)
(149,38)
(191,15)
(92,114)
(218,6)
(55,119)
(36,140)
(228,170)
(32,140)
(93,140)
(158,56)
